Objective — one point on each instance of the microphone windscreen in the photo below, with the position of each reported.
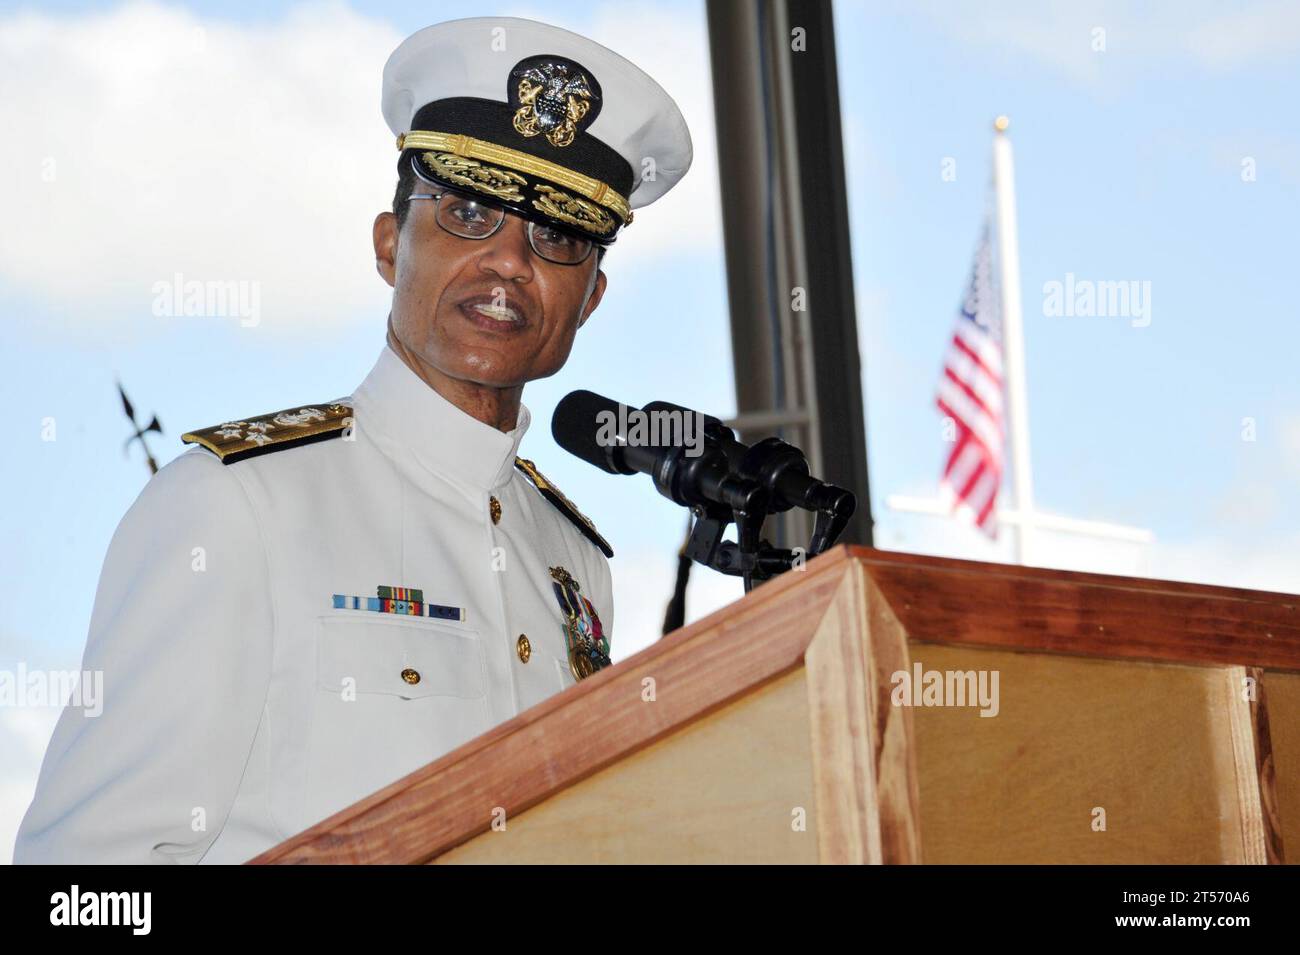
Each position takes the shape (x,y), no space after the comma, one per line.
(575,426)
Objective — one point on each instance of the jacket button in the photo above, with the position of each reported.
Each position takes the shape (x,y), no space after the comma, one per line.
(524,648)
(411,676)
(494,508)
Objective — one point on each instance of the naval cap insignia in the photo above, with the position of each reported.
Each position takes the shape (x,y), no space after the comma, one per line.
(553,96)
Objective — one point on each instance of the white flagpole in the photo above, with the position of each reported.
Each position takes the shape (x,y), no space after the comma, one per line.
(1013,341)
(1016,511)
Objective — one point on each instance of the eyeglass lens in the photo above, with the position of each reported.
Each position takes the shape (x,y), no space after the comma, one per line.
(463,216)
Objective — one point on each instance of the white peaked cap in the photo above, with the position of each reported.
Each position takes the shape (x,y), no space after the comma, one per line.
(467,77)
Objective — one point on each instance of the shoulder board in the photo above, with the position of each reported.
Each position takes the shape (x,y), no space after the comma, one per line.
(236,440)
(565,506)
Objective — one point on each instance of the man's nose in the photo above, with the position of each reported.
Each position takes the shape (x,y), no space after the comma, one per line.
(508,253)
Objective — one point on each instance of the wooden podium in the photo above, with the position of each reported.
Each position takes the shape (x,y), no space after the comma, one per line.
(1135,721)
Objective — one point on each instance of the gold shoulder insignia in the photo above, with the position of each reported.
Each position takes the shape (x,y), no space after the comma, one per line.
(566,507)
(235,440)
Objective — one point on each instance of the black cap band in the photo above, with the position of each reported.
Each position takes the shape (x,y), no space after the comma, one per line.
(584,185)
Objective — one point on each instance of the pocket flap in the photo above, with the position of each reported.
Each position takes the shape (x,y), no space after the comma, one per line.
(411,659)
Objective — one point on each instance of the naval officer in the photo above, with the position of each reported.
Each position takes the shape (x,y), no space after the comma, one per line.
(311,603)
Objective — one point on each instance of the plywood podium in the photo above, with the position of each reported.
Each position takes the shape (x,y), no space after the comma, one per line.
(834,715)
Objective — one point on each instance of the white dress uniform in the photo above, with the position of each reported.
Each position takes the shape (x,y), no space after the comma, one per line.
(319,601)
(240,705)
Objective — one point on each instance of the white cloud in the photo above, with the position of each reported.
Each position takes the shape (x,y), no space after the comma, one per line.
(1268,561)
(255,152)
(1242,38)
(179,144)
(1250,503)
(1060,33)
(1272,564)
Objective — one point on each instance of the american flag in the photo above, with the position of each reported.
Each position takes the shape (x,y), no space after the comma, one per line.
(970,394)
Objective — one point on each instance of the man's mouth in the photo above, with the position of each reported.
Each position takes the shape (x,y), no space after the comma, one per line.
(492,313)
(503,314)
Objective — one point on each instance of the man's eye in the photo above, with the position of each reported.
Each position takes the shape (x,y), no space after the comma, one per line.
(468,213)
(554,237)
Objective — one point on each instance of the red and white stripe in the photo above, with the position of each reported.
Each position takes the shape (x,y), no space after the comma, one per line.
(971,394)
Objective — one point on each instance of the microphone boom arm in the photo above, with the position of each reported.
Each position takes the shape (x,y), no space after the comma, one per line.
(766,480)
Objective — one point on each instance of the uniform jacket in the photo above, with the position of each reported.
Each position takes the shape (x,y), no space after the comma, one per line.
(240,705)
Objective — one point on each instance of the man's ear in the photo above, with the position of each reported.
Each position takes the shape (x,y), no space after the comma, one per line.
(385,238)
(594,298)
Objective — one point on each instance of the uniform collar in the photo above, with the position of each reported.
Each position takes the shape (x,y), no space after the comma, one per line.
(399,405)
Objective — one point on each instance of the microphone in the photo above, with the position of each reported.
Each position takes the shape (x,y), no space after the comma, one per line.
(596,429)
(720,479)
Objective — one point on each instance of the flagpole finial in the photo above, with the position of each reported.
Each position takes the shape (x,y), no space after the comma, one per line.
(1001,124)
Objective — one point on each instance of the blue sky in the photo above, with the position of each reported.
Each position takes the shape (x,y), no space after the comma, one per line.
(1128,167)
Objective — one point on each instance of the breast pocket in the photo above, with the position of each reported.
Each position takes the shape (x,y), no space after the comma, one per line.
(392,695)
(412,660)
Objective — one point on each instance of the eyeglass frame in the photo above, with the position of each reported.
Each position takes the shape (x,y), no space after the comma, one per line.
(532,223)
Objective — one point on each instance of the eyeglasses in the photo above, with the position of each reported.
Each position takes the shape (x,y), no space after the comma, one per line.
(467,218)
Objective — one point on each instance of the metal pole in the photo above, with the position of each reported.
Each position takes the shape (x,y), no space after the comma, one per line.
(1013,340)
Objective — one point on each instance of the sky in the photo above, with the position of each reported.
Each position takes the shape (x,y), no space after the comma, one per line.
(244,142)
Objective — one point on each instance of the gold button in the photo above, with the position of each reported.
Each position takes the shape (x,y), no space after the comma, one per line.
(494,508)
(524,647)
(411,676)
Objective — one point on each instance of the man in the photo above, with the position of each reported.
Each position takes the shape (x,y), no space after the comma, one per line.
(313,603)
